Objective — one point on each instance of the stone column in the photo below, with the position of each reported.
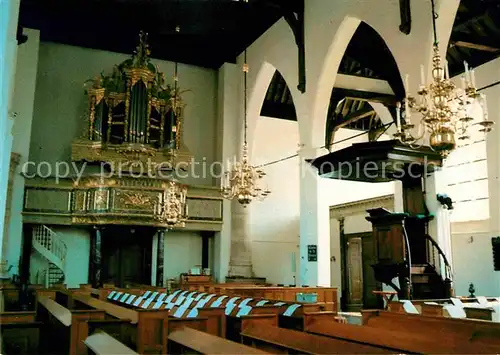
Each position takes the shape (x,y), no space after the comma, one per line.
(314,226)
(240,263)
(228,100)
(8,164)
(9,13)
(160,258)
(95,262)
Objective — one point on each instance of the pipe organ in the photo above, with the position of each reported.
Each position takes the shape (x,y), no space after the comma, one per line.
(133,115)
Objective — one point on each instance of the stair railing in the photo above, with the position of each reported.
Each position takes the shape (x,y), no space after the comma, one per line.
(408,255)
(51,241)
(441,256)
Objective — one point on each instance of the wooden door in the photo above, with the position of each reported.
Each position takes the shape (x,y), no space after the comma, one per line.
(370,283)
(127,256)
(355,272)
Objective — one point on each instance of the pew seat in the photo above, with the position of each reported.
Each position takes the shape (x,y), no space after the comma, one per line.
(399,341)
(482,336)
(278,340)
(187,341)
(100,343)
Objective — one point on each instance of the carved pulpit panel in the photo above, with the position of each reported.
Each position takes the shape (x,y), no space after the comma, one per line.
(389,236)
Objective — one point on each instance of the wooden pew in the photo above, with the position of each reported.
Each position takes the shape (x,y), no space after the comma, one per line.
(147,329)
(11,301)
(279,340)
(438,310)
(70,328)
(235,325)
(484,336)
(325,295)
(215,316)
(101,343)
(20,333)
(399,341)
(435,308)
(232,308)
(210,320)
(189,341)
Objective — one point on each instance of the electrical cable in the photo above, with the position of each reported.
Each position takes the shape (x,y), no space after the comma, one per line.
(386,126)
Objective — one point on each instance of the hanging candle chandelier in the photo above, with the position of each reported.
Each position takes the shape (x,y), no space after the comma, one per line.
(171,208)
(443,107)
(241,182)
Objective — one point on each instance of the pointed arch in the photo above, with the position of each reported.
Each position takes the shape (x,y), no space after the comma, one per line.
(267,77)
(357,50)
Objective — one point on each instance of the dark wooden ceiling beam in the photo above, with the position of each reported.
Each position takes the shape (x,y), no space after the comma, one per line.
(355,116)
(475,46)
(388,100)
(461,26)
(405,13)
(295,19)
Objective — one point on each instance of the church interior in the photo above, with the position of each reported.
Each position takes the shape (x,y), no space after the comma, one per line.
(148,207)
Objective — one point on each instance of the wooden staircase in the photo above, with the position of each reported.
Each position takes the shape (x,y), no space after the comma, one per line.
(426,282)
(53,249)
(406,252)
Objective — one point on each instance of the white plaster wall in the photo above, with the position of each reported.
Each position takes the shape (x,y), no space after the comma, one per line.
(473,259)
(77,241)
(473,262)
(60,103)
(274,222)
(38,264)
(182,252)
(357,224)
(22,104)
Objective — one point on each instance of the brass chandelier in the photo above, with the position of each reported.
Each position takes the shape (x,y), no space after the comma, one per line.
(443,107)
(171,208)
(241,182)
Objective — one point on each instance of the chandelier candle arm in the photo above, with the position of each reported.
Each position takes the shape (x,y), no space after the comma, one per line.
(398,116)
(442,106)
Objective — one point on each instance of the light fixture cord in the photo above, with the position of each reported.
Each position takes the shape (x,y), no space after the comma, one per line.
(176,74)
(434,18)
(245,71)
(176,66)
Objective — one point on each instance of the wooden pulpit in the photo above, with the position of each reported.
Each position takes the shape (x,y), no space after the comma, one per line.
(390,249)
